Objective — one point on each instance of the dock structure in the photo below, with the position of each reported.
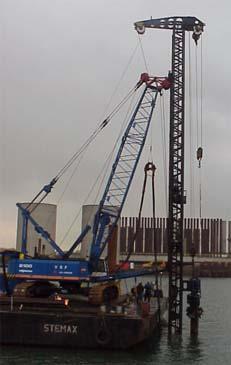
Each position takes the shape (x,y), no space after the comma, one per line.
(209,237)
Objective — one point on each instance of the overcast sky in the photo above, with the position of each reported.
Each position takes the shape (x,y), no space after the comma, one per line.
(60,62)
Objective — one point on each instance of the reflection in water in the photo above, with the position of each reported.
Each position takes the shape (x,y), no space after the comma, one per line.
(40,356)
(195,348)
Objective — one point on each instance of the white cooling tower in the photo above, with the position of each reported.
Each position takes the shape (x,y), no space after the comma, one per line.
(45,216)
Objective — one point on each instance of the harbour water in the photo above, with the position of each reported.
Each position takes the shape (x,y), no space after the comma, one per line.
(212,347)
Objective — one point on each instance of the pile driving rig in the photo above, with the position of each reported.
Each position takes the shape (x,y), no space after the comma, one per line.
(178,25)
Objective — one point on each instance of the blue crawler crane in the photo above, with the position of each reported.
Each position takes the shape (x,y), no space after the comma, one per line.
(63,268)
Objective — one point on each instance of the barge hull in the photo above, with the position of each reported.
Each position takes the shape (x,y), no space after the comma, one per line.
(75,330)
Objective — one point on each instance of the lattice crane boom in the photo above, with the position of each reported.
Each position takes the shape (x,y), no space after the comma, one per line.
(122,172)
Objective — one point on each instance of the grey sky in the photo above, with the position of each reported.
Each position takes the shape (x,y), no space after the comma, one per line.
(60,62)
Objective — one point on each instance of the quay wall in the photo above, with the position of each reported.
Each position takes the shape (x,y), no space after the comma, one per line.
(209,237)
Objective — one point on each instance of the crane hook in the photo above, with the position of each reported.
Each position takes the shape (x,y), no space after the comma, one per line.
(150,167)
(199,155)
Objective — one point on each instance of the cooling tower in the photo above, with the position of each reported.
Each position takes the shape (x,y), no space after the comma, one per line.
(45,216)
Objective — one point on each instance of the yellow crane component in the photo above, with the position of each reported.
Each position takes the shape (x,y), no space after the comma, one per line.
(104,292)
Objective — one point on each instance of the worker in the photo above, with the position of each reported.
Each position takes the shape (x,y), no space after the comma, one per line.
(139,292)
(158,292)
(147,292)
(133,293)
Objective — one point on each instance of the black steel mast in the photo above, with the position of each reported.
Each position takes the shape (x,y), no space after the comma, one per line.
(178,26)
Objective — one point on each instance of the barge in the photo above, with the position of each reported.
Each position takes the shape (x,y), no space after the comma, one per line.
(71,323)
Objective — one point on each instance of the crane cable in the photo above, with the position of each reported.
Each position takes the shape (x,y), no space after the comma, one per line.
(81,150)
(191,170)
(131,243)
(164,145)
(88,141)
(142,52)
(153,168)
(121,78)
(119,106)
(65,168)
(199,136)
(111,115)
(107,106)
(103,171)
(84,202)
(95,133)
(150,157)
(197,103)
(105,168)
(202,86)
(199,124)
(149,166)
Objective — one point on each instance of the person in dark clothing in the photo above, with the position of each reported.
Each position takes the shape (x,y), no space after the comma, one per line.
(147,292)
(139,292)
(134,293)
